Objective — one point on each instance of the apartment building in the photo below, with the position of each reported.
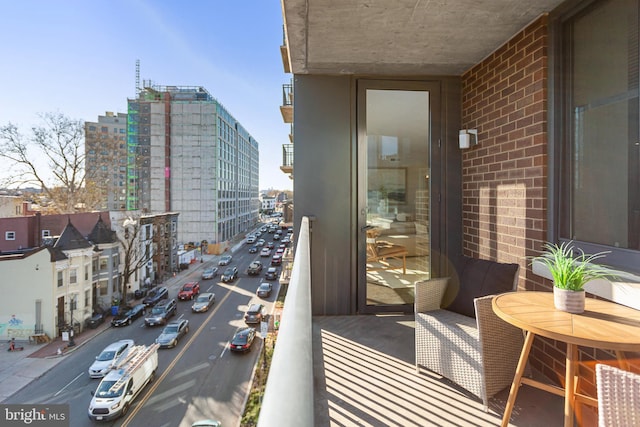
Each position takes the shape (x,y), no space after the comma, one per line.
(106,158)
(188,154)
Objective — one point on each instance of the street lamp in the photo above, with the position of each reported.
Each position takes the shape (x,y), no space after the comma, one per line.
(72,305)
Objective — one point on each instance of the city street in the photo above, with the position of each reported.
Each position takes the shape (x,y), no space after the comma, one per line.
(198,379)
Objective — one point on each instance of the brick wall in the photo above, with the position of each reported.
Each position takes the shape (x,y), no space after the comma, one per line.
(504,179)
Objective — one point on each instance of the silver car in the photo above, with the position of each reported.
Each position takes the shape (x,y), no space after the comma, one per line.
(203,302)
(225,260)
(172,333)
(110,356)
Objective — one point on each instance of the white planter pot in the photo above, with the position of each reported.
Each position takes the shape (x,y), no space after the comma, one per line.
(568,300)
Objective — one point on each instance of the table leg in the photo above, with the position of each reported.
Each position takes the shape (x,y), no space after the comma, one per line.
(513,392)
(569,385)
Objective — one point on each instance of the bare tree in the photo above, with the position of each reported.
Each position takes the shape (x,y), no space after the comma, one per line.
(59,142)
(136,253)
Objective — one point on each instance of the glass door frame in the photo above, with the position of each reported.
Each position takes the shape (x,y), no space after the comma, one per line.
(434,111)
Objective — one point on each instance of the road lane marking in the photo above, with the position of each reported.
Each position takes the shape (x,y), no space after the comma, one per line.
(71,382)
(156,383)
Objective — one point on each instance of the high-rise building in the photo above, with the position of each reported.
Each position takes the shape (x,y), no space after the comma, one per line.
(106,159)
(186,153)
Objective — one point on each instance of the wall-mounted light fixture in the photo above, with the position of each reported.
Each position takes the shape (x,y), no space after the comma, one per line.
(468,138)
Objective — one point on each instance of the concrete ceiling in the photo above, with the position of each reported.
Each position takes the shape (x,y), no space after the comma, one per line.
(401,37)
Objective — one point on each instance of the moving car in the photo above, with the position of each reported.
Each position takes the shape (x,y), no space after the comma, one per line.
(225,260)
(120,387)
(230,274)
(161,313)
(189,291)
(254,268)
(124,319)
(209,273)
(203,302)
(254,314)
(272,273)
(155,295)
(207,423)
(265,252)
(277,259)
(251,239)
(253,249)
(264,290)
(172,333)
(111,354)
(242,340)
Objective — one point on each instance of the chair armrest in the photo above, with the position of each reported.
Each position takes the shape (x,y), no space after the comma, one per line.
(500,345)
(429,294)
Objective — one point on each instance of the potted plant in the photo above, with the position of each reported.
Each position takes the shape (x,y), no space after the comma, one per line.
(571,269)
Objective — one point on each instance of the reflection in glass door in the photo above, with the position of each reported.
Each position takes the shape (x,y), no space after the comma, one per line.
(394,196)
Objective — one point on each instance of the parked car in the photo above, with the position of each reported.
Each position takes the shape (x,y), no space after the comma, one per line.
(155,295)
(272,273)
(277,259)
(253,249)
(203,302)
(254,314)
(242,340)
(230,274)
(161,313)
(96,320)
(109,356)
(225,260)
(265,252)
(264,290)
(172,333)
(188,291)
(209,273)
(254,268)
(124,319)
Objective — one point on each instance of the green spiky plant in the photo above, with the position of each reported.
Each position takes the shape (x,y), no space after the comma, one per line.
(571,271)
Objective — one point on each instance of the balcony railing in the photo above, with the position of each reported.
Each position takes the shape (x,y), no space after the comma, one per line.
(291,371)
(286,109)
(287,158)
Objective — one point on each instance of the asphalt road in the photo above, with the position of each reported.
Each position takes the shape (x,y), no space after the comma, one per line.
(198,379)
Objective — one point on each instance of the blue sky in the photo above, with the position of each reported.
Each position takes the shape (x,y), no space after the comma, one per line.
(79,58)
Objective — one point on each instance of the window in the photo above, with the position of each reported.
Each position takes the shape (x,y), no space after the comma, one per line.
(597,152)
(60,278)
(73,276)
(87,298)
(104,287)
(10,235)
(104,263)
(86,272)
(46,233)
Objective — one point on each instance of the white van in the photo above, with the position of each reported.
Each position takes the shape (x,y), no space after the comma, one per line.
(122,385)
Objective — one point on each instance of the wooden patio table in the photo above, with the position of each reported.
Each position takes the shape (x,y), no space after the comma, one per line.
(603,324)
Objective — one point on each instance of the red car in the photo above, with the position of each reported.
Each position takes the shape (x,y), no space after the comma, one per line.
(189,291)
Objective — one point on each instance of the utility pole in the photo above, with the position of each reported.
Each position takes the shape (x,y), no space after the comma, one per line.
(71,332)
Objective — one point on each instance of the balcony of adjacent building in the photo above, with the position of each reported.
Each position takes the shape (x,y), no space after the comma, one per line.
(287,159)
(284,52)
(286,109)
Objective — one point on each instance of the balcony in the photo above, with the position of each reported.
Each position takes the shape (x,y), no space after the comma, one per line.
(284,52)
(287,158)
(286,109)
(359,370)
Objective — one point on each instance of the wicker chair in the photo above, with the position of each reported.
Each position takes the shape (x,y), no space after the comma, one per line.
(618,397)
(479,354)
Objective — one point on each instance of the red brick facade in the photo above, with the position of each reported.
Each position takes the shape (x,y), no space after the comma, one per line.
(505,176)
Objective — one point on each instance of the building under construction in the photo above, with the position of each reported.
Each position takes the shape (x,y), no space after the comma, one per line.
(186,153)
